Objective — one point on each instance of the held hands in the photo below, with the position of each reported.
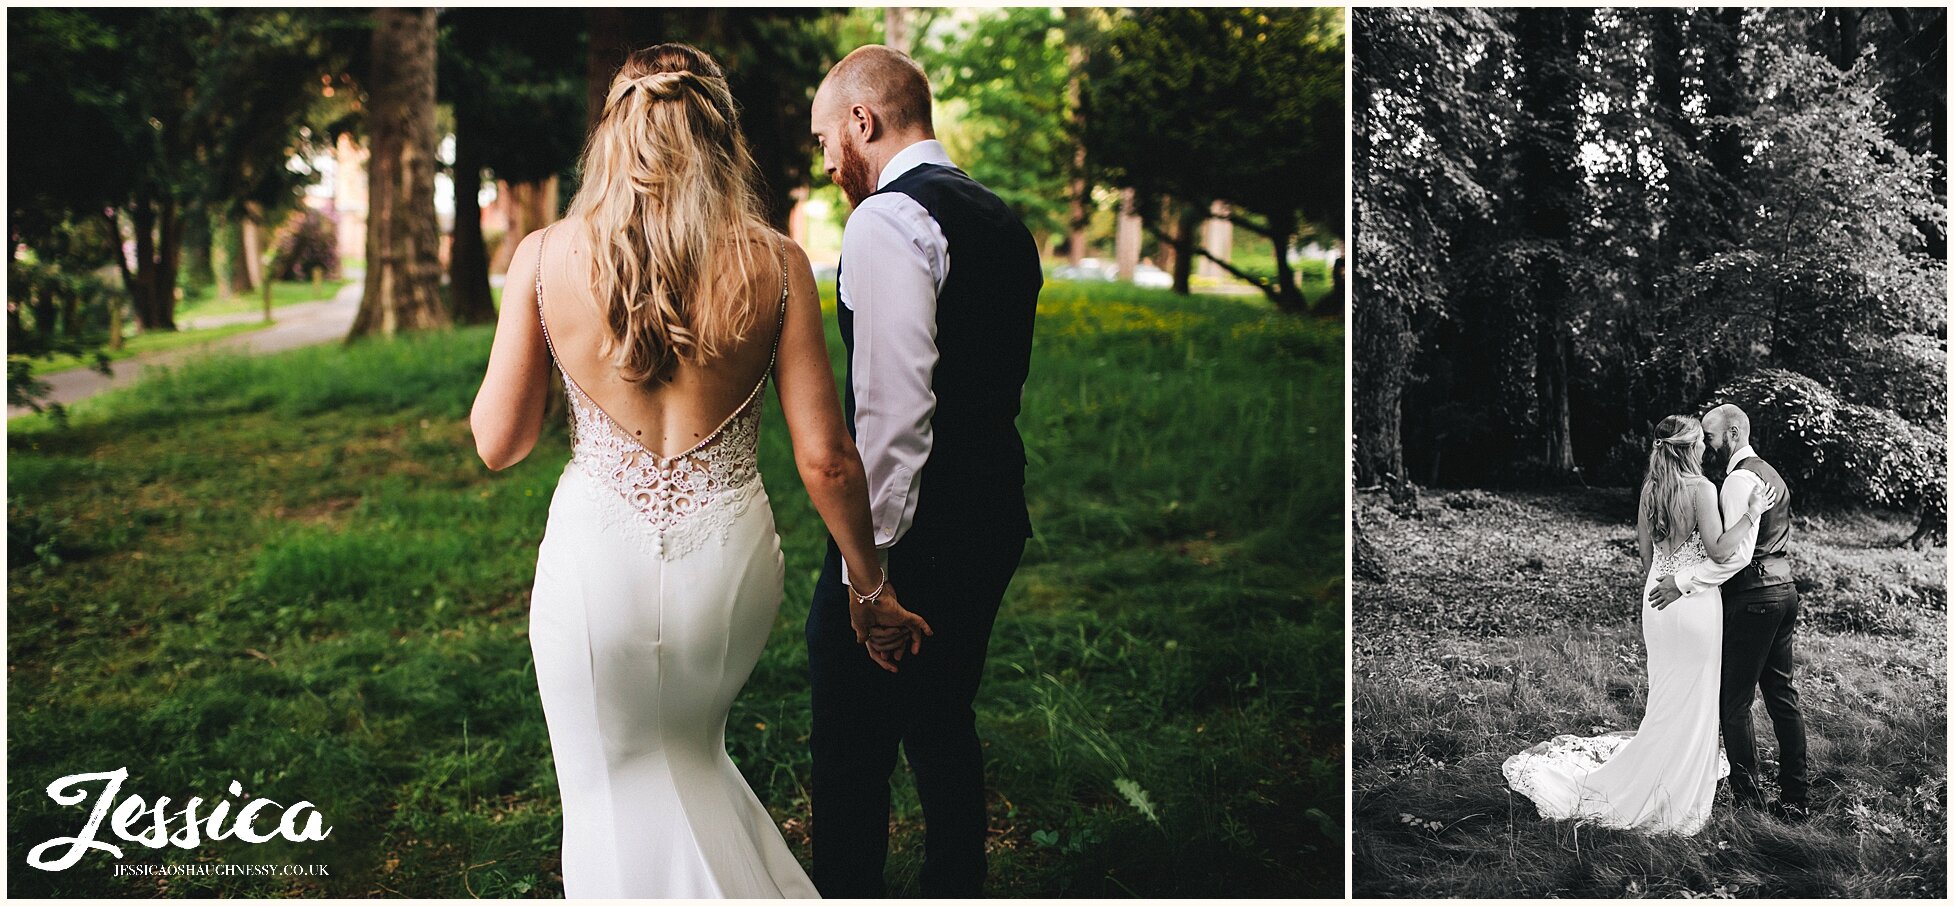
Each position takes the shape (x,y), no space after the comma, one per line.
(885,627)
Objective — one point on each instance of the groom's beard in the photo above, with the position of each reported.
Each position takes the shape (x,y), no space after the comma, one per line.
(1714,461)
(851,174)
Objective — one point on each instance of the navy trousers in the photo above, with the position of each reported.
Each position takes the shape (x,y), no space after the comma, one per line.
(863,713)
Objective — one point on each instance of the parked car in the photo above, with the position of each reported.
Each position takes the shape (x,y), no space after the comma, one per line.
(1086,269)
(1152,277)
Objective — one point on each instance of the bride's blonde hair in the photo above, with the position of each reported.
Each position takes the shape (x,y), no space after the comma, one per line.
(1672,460)
(670,212)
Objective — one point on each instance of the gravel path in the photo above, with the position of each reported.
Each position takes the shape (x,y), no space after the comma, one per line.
(293,326)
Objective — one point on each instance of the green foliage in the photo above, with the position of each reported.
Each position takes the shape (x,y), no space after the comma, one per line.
(59,304)
(1007,76)
(306,542)
(152,113)
(80,157)
(1240,105)
(308,240)
(1243,105)
(516,80)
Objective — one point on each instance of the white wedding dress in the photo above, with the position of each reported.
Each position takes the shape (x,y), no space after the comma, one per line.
(1661,777)
(657,584)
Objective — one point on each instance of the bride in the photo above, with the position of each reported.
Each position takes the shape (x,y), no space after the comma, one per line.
(1661,777)
(666,302)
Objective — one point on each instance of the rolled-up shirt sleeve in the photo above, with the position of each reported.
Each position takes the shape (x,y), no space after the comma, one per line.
(894,261)
(1734,501)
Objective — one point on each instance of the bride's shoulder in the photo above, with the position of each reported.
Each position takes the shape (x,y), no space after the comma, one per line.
(766,252)
(559,234)
(768,242)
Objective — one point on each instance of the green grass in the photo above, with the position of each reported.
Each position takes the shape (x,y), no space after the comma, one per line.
(1505,619)
(293,572)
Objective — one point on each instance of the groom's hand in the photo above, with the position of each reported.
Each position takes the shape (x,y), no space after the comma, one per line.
(885,627)
(1664,593)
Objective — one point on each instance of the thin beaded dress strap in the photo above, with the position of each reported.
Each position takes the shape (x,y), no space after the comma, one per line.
(781,323)
(541,241)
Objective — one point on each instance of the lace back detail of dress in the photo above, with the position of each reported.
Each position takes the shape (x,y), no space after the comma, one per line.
(669,504)
(1690,553)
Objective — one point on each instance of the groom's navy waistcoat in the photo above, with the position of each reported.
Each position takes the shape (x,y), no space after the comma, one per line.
(1769,564)
(973,479)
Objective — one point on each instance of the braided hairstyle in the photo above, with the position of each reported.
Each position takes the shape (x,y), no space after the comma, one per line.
(670,212)
(1675,455)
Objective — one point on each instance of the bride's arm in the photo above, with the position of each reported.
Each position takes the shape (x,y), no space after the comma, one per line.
(1644,543)
(825,454)
(1722,541)
(508,413)
(829,464)
(1738,487)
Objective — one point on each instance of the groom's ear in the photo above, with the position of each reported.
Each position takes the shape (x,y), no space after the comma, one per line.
(864,122)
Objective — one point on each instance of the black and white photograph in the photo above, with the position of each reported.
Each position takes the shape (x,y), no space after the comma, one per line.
(1649,409)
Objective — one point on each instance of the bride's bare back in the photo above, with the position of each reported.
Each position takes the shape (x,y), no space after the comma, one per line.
(672,413)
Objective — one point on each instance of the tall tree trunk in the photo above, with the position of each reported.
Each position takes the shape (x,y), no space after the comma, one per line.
(403,266)
(1380,330)
(197,270)
(1187,237)
(251,238)
(128,281)
(1842,44)
(1724,90)
(142,218)
(468,274)
(1287,295)
(1078,190)
(237,277)
(158,237)
(895,27)
(530,206)
(614,33)
(1126,237)
(169,251)
(1549,43)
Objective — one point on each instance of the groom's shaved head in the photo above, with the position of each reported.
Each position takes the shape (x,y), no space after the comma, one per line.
(1726,416)
(885,80)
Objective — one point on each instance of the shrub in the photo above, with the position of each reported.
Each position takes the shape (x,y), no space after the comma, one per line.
(308,239)
(1839,449)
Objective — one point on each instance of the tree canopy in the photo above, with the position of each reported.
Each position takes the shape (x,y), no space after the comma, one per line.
(1755,192)
(1238,105)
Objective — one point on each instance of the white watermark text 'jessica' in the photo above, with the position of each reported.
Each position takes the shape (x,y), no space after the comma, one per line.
(136,821)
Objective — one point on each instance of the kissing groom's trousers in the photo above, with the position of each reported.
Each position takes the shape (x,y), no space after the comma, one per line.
(1759,626)
(863,712)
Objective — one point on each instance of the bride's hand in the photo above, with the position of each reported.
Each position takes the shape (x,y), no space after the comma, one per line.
(1762,497)
(885,627)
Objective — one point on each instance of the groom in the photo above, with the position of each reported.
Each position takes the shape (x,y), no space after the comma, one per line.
(937,287)
(1760,621)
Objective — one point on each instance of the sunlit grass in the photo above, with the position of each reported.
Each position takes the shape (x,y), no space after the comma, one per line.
(293,572)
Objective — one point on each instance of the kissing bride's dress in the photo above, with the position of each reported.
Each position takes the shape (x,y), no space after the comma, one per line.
(1661,777)
(657,583)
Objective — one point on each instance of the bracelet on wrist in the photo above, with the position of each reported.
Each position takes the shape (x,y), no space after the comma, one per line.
(871,597)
